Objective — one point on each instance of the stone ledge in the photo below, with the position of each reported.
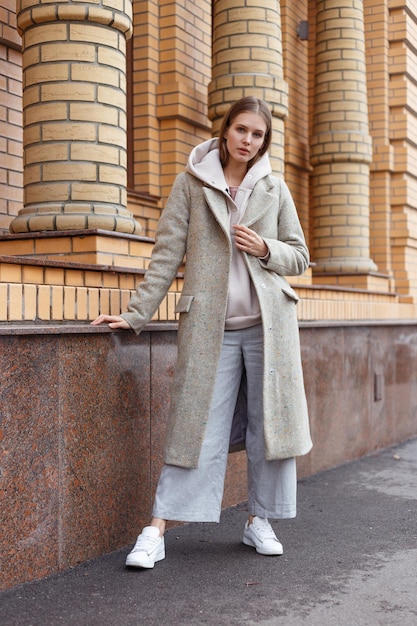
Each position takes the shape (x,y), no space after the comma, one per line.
(68,328)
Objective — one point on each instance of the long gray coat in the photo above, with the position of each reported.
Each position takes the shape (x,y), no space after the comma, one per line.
(195,223)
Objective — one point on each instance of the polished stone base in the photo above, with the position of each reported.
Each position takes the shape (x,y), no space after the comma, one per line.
(82,417)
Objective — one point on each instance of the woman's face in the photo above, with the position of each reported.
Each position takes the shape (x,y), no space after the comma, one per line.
(245,137)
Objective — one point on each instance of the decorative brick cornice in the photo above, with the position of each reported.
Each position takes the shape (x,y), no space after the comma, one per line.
(117,14)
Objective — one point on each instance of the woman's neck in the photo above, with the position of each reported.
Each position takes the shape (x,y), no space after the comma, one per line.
(234,175)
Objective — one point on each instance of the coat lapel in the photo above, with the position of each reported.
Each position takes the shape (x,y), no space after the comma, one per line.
(218,206)
(259,203)
(261,200)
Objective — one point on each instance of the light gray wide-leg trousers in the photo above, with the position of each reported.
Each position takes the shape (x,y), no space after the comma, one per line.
(195,495)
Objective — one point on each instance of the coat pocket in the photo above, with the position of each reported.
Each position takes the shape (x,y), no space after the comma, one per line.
(289,291)
(184,304)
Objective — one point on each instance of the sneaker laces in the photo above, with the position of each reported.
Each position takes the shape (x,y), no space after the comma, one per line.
(145,543)
(263,529)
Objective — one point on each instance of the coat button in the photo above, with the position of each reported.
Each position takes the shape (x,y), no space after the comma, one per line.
(263,286)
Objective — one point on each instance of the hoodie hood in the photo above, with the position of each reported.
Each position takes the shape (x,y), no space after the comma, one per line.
(204,164)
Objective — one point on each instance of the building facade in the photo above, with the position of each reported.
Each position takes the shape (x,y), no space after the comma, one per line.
(101,102)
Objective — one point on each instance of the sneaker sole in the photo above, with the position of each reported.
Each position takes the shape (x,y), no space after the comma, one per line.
(249,542)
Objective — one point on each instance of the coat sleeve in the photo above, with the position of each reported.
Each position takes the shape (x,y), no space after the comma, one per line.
(288,254)
(167,256)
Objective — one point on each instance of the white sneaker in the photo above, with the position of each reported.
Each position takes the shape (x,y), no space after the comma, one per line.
(149,548)
(259,535)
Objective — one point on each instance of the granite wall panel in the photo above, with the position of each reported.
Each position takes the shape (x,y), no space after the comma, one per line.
(83,414)
(164,355)
(29,468)
(105,442)
(361,386)
(382,389)
(405,406)
(323,359)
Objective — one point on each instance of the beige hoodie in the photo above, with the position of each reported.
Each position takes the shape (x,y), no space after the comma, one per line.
(243,308)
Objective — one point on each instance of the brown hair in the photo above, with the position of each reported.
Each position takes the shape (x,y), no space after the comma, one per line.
(249,104)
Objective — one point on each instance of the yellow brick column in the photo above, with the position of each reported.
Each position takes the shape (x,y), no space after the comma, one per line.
(74,108)
(341,148)
(247,60)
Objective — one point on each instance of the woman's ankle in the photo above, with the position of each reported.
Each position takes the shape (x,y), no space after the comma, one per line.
(160,524)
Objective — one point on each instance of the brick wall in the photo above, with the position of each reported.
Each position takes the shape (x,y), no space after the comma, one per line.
(169,81)
(296,54)
(402,64)
(171,68)
(11,129)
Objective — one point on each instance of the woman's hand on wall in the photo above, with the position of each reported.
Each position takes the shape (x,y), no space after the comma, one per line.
(114,321)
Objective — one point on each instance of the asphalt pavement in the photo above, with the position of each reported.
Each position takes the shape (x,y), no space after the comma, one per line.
(350,559)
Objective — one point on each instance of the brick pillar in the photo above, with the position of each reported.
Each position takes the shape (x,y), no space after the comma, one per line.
(74,108)
(247,60)
(341,148)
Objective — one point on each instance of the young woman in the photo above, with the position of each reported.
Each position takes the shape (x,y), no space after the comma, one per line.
(238,380)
